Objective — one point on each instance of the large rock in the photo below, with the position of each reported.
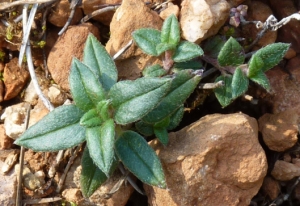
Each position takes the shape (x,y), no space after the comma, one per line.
(215,161)
(69,45)
(280,130)
(200,19)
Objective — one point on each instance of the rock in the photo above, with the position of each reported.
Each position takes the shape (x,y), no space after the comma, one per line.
(56,96)
(291,53)
(14,120)
(280,130)
(8,187)
(131,15)
(120,198)
(200,19)
(69,45)
(36,161)
(5,141)
(285,87)
(88,7)
(15,78)
(271,187)
(30,181)
(37,113)
(10,161)
(30,94)
(289,33)
(171,9)
(218,154)
(60,14)
(284,171)
(72,195)
(258,11)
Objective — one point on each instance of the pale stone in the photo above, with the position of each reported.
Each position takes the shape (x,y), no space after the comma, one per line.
(284,171)
(171,9)
(280,130)
(200,19)
(218,154)
(8,187)
(56,96)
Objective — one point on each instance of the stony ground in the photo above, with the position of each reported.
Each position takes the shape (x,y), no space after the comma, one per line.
(244,154)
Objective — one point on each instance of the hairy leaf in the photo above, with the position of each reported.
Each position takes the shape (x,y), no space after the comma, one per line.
(91,119)
(162,135)
(85,87)
(262,80)
(224,94)
(213,46)
(134,99)
(255,66)
(100,62)
(186,51)
(232,53)
(91,176)
(176,118)
(58,130)
(239,83)
(170,32)
(154,71)
(140,159)
(144,128)
(100,141)
(147,40)
(162,47)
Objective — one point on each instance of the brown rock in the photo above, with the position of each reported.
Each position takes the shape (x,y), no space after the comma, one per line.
(284,171)
(15,78)
(60,13)
(120,198)
(271,187)
(215,161)
(105,18)
(289,33)
(72,195)
(69,45)
(132,15)
(200,19)
(37,113)
(258,11)
(171,9)
(291,53)
(285,88)
(5,141)
(280,130)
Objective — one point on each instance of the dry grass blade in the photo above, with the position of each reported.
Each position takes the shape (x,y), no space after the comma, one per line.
(6,5)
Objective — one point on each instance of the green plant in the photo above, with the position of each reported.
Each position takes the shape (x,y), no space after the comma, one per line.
(103,106)
(229,58)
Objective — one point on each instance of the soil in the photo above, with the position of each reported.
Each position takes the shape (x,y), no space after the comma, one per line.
(200,103)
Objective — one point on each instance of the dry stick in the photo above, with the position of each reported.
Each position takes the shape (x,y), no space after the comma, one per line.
(70,162)
(99,11)
(212,85)
(73,6)
(21,161)
(6,5)
(121,51)
(42,200)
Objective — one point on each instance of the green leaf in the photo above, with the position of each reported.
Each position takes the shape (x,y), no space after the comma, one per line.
(262,80)
(154,71)
(170,31)
(162,135)
(140,159)
(134,99)
(224,94)
(176,118)
(232,53)
(239,83)
(100,141)
(213,46)
(187,65)
(162,47)
(85,87)
(103,110)
(58,130)
(144,128)
(186,51)
(91,176)
(147,40)
(255,66)
(182,86)
(100,62)
(272,54)
(91,119)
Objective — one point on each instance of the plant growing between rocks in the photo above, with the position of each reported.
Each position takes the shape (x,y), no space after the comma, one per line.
(152,104)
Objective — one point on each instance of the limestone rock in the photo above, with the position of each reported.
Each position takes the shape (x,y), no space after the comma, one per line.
(215,161)
(285,87)
(200,19)
(284,171)
(69,45)
(8,187)
(14,120)
(15,78)
(280,130)
(171,9)
(258,11)
(105,18)
(60,13)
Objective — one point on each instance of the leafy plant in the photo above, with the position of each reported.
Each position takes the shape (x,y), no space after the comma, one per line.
(103,105)
(237,74)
